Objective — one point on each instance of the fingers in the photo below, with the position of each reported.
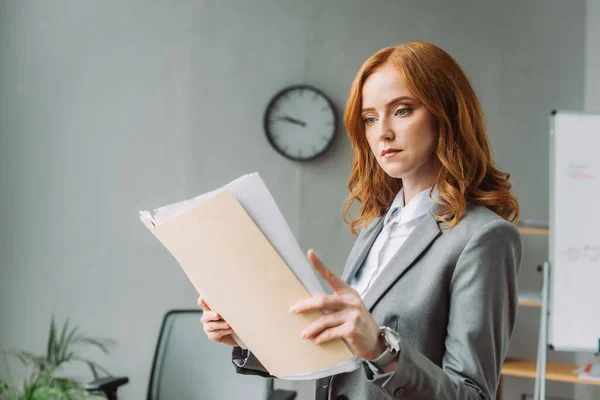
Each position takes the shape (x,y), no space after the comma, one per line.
(321,324)
(323,301)
(208,316)
(219,336)
(336,283)
(218,331)
(330,334)
(202,304)
(216,326)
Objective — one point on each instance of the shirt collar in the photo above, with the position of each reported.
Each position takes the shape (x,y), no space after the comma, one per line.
(417,207)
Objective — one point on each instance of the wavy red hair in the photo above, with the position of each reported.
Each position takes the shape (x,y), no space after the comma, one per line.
(467,172)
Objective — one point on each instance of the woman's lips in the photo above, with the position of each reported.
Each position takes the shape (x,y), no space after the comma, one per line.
(389,153)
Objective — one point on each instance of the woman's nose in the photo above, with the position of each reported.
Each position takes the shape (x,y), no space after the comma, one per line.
(385,131)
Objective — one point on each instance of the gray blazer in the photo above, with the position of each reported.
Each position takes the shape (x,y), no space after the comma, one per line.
(451,296)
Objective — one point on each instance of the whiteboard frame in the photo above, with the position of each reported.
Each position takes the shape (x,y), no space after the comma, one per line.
(551,228)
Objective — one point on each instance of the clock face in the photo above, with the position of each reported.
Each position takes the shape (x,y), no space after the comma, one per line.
(300,122)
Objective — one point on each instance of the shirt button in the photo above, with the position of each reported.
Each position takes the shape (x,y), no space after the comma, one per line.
(399,392)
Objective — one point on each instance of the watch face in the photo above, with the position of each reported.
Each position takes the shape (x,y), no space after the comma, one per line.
(300,122)
(391,338)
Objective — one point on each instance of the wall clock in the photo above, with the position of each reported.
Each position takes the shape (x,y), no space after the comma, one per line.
(300,122)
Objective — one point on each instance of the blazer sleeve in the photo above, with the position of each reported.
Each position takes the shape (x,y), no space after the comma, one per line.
(247,364)
(483,306)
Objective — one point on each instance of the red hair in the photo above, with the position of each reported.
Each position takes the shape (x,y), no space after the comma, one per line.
(467,172)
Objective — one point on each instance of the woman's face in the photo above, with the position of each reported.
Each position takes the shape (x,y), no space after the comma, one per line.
(402,134)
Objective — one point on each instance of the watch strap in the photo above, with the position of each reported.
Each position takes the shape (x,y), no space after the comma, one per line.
(388,354)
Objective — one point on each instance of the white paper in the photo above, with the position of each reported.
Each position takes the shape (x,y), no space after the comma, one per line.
(252,193)
(341,368)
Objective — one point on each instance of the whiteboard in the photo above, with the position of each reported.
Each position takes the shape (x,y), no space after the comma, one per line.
(574,250)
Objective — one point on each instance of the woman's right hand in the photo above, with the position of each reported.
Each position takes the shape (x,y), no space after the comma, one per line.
(215,327)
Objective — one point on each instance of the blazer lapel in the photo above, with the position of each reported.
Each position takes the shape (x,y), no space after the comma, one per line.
(361,248)
(417,242)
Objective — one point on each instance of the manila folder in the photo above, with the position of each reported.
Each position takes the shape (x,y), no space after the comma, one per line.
(242,277)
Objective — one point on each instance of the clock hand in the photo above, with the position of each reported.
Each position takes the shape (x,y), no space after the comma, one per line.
(292,120)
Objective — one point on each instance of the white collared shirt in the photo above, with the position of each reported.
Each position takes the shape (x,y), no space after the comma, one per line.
(399,222)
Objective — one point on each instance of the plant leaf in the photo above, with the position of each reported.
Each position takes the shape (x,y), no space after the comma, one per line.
(100,343)
(61,344)
(61,340)
(28,359)
(94,367)
(70,340)
(51,339)
(42,384)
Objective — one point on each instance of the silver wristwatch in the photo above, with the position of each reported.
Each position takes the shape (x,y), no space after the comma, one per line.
(392,348)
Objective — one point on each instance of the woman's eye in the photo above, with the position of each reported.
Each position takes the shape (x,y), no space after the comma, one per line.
(402,111)
(369,120)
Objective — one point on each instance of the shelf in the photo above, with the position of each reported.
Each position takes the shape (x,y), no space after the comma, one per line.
(554,371)
(534,231)
(530,299)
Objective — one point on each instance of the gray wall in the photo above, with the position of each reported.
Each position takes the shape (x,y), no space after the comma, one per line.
(592,56)
(107,108)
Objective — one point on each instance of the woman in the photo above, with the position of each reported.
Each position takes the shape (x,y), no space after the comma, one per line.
(428,296)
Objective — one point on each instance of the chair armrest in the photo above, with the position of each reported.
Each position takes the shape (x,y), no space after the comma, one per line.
(281,394)
(107,385)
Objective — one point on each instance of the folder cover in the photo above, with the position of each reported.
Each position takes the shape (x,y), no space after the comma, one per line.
(242,276)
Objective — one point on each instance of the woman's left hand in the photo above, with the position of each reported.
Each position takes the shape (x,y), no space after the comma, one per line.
(348,318)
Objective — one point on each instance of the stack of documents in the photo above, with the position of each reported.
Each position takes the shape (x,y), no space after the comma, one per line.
(241,256)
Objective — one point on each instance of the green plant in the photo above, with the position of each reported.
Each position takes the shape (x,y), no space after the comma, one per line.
(44,383)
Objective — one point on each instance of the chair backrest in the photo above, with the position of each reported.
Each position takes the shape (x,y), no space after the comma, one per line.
(189,366)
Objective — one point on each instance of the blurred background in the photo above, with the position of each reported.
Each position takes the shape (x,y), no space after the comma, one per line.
(111,107)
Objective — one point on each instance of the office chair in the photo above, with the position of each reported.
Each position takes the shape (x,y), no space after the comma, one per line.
(188,366)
